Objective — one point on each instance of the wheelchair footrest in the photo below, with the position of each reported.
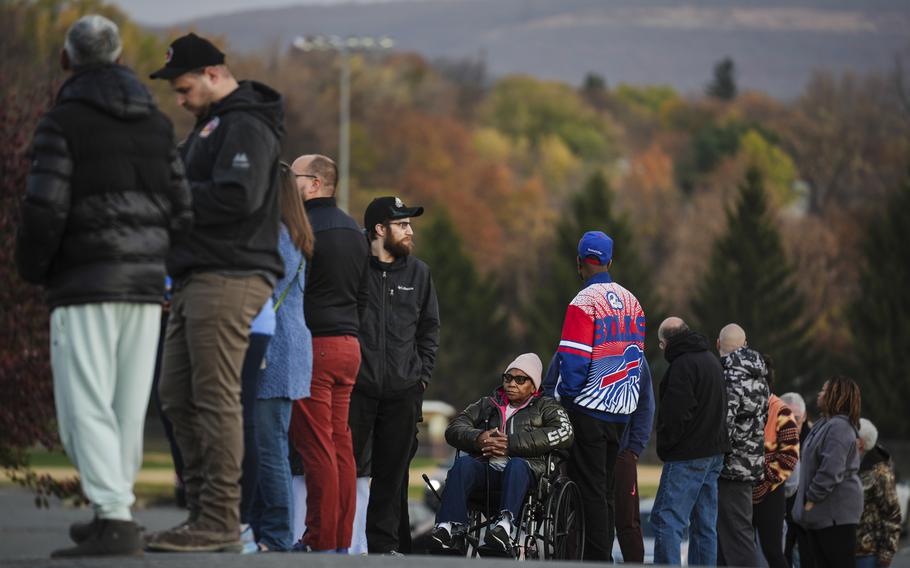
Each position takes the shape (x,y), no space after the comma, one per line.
(488,552)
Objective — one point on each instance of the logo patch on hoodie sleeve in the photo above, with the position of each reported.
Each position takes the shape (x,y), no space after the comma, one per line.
(241,162)
(209,127)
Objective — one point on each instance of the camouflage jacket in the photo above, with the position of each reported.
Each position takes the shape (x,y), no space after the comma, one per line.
(747,412)
(879,527)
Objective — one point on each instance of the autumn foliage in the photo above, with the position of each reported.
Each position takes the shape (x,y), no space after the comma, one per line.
(503,164)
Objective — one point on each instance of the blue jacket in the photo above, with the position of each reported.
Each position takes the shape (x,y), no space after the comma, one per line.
(637,433)
(289,359)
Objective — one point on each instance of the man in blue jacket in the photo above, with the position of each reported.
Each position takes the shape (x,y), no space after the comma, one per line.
(625,489)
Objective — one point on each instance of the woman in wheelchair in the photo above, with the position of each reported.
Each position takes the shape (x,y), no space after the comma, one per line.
(504,440)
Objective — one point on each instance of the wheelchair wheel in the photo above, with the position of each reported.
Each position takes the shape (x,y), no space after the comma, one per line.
(564,524)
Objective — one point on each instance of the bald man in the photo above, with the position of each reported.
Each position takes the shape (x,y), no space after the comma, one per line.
(319,424)
(745,377)
(691,440)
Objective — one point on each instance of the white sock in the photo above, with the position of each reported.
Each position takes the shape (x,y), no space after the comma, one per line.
(446,526)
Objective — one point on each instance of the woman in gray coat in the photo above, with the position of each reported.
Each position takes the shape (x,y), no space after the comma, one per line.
(829,501)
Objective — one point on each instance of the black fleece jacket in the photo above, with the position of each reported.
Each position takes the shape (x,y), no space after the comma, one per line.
(692,402)
(399,327)
(106,193)
(232,159)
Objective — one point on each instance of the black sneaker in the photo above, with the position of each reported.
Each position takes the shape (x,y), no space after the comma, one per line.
(497,540)
(80,532)
(445,542)
(111,538)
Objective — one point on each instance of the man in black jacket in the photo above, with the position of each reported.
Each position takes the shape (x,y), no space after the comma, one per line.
(399,335)
(105,195)
(691,440)
(319,424)
(223,271)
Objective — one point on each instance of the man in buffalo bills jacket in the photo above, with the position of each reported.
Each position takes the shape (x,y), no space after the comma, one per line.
(399,335)
(600,359)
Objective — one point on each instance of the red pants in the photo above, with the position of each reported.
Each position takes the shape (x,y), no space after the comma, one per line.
(320,434)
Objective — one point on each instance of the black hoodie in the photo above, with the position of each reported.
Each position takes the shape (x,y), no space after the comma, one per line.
(692,403)
(231,160)
(105,195)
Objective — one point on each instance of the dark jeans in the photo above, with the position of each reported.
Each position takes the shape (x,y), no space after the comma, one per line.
(832,547)
(591,464)
(768,520)
(468,474)
(628,518)
(156,400)
(249,383)
(735,535)
(388,426)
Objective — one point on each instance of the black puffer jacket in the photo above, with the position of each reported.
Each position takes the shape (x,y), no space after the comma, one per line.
(692,402)
(399,327)
(537,429)
(105,194)
(232,159)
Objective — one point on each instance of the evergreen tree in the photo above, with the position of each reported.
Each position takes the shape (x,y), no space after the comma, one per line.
(880,318)
(750,282)
(474,340)
(589,210)
(723,86)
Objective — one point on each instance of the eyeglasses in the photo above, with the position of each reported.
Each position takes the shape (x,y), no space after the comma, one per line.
(296,175)
(403,224)
(517,379)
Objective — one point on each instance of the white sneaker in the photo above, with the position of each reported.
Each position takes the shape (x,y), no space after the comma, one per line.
(248,540)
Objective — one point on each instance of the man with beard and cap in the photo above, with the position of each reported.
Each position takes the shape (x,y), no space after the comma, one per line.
(399,335)
(504,437)
(692,441)
(223,272)
(105,198)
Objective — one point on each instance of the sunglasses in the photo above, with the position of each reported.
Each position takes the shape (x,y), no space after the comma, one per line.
(517,379)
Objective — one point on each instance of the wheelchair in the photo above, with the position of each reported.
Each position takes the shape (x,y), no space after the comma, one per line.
(551,524)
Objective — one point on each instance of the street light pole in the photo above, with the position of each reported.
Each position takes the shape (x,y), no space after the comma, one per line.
(344,133)
(344,48)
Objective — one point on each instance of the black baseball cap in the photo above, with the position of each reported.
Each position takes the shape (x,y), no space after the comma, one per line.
(384,209)
(187,53)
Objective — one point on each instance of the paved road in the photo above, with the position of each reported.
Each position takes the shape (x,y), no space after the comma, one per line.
(28,534)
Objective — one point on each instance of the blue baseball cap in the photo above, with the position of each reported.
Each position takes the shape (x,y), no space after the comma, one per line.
(595,247)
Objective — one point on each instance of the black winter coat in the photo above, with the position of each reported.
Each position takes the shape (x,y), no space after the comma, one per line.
(232,159)
(692,402)
(399,327)
(534,431)
(105,195)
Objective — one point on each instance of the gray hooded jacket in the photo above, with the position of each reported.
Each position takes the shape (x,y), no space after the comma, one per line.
(828,476)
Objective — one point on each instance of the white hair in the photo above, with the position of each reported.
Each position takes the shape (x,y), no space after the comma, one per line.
(795,401)
(92,40)
(868,433)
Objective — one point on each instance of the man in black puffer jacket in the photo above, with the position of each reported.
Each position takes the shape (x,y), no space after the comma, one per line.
(691,440)
(509,434)
(223,272)
(105,195)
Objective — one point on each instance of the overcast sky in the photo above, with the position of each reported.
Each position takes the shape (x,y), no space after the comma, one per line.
(163,12)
